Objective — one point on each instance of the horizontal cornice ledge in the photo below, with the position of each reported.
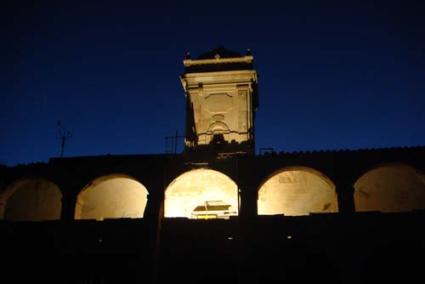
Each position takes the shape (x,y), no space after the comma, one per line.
(192,62)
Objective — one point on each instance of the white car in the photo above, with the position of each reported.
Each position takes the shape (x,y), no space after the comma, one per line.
(213,210)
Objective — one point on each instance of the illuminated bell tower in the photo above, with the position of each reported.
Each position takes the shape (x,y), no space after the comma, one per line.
(221,96)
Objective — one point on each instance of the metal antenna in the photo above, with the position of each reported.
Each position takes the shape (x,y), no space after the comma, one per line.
(171,143)
(63,134)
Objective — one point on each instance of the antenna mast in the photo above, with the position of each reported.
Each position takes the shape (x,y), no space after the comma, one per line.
(63,134)
(171,143)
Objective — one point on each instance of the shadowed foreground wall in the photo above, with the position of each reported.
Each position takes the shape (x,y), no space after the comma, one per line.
(335,246)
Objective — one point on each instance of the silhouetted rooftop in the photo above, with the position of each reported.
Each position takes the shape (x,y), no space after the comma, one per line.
(218,59)
(221,51)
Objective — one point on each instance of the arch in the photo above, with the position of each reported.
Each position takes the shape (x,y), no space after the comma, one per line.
(390,188)
(201,194)
(31,199)
(112,196)
(296,191)
(218,127)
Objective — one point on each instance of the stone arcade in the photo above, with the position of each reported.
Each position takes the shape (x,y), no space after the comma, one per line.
(216,213)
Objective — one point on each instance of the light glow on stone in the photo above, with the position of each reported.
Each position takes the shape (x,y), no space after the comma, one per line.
(390,188)
(297,191)
(201,194)
(111,197)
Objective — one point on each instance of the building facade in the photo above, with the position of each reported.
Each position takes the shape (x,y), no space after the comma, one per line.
(217,212)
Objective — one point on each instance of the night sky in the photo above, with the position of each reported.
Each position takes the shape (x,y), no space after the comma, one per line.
(332,74)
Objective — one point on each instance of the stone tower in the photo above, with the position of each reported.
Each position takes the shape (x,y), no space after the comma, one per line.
(221,96)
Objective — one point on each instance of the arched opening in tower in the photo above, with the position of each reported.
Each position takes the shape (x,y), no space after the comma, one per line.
(390,188)
(202,194)
(113,196)
(297,191)
(31,200)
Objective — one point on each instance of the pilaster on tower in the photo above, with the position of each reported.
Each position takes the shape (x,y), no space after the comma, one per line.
(221,100)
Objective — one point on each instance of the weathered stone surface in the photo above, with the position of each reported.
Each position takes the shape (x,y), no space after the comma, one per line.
(222,102)
(31,200)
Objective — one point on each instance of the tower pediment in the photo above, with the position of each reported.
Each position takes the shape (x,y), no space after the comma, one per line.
(220,88)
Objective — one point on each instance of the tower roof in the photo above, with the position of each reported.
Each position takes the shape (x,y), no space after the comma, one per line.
(219,52)
(219,59)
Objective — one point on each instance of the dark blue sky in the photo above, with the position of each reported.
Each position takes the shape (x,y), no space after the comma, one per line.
(332,74)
